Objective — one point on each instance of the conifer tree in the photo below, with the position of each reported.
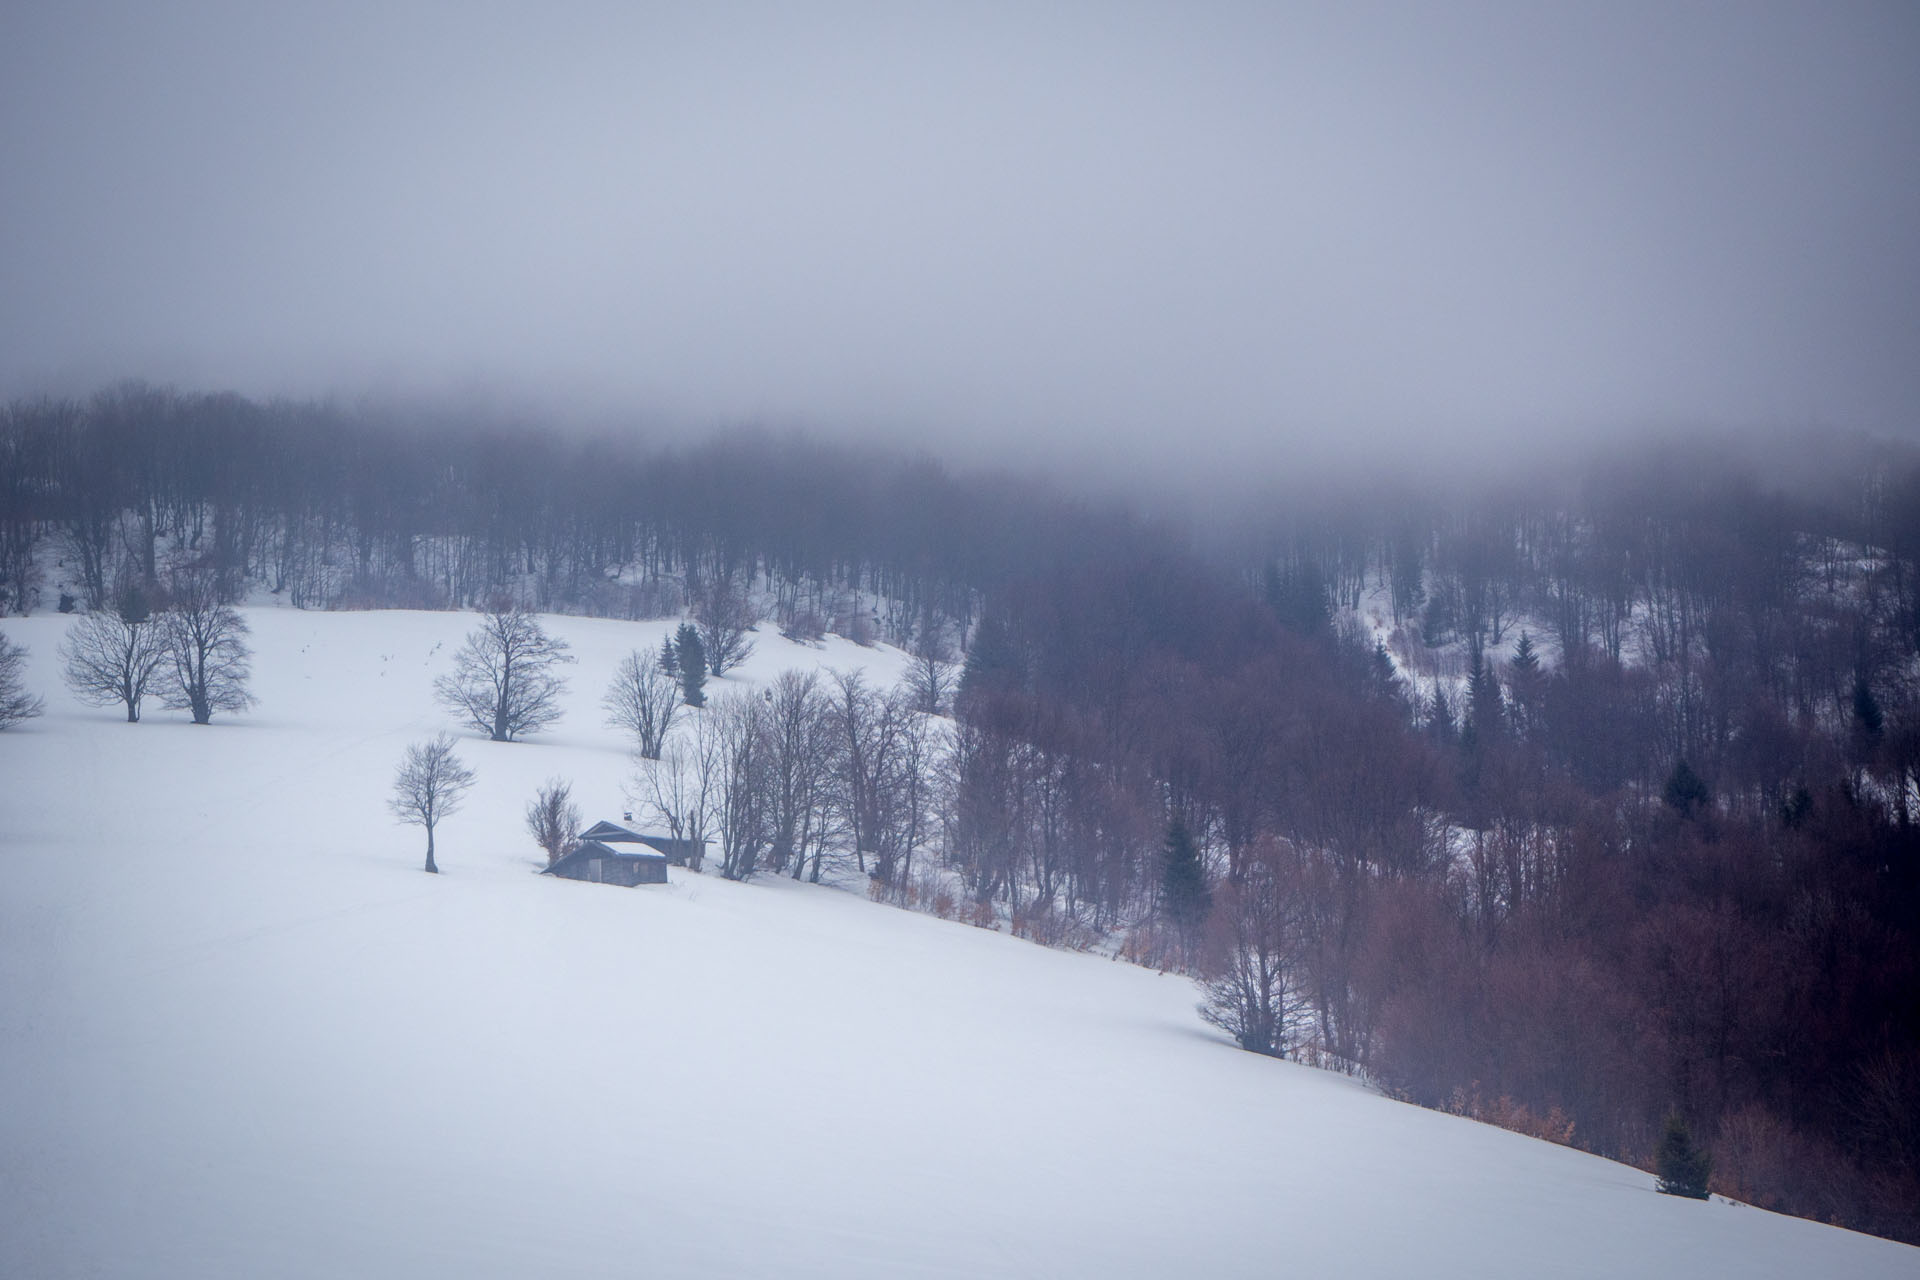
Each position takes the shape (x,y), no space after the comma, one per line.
(1183,883)
(1525,660)
(1867,717)
(690,659)
(1440,723)
(1484,705)
(1683,1169)
(1524,682)
(669,660)
(1685,791)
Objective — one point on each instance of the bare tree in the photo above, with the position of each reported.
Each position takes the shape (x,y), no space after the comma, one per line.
(933,677)
(880,793)
(431,782)
(736,802)
(726,616)
(1253,965)
(16,704)
(800,757)
(642,700)
(115,656)
(503,682)
(678,788)
(554,819)
(206,639)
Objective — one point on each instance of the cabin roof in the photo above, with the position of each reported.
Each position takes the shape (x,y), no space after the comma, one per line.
(614,833)
(597,849)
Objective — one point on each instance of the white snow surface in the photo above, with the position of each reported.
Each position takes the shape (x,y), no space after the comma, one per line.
(242,1035)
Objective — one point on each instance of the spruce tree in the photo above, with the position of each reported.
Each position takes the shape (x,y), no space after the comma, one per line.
(1685,791)
(1526,663)
(669,660)
(1682,1167)
(1866,709)
(1484,704)
(1524,681)
(1440,723)
(691,658)
(1183,883)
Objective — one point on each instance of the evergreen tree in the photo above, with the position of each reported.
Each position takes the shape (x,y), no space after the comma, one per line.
(690,658)
(669,660)
(994,662)
(1380,669)
(1682,1167)
(1440,723)
(1685,792)
(1866,709)
(1484,706)
(1298,597)
(1183,883)
(1524,683)
(1526,662)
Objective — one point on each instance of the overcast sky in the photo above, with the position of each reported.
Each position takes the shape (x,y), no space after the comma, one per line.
(1158,231)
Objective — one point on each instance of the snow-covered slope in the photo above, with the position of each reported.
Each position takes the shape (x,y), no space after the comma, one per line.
(242,1035)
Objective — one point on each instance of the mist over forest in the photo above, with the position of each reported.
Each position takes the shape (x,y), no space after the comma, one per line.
(1406,516)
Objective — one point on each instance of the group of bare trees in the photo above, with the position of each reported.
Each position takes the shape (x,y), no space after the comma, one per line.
(334,508)
(807,773)
(189,647)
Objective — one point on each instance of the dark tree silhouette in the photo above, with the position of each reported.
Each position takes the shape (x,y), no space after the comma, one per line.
(1183,885)
(690,659)
(502,681)
(429,786)
(16,704)
(553,819)
(1683,1168)
(206,643)
(642,700)
(115,656)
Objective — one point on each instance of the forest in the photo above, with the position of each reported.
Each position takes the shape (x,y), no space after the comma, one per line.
(1569,804)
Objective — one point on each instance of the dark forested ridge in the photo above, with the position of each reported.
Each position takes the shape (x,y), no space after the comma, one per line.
(1568,805)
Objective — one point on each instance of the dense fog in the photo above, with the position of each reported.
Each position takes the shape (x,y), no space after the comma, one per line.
(1132,238)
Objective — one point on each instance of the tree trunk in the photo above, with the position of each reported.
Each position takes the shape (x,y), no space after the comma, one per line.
(432,870)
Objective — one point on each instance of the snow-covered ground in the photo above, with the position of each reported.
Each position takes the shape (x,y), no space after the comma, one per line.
(242,1035)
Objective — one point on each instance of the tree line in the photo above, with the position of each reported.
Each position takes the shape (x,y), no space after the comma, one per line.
(1575,805)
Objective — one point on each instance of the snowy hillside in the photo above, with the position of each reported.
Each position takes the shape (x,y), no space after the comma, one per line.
(242,1035)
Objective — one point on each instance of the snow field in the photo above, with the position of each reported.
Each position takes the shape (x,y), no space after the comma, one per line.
(241,1035)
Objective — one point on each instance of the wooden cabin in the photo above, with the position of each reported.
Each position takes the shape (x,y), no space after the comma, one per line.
(600,863)
(680,853)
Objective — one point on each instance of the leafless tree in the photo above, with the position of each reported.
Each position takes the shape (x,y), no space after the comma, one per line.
(429,786)
(642,700)
(503,682)
(678,788)
(16,704)
(206,640)
(115,656)
(726,614)
(880,794)
(1253,976)
(737,801)
(800,757)
(933,677)
(554,819)
(914,787)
